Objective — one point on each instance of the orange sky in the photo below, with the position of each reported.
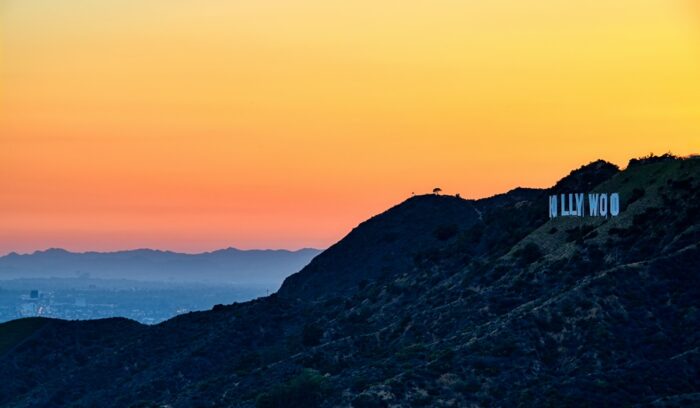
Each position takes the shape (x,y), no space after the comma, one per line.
(194,125)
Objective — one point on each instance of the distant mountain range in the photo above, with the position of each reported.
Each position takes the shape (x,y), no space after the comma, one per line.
(226,265)
(437,302)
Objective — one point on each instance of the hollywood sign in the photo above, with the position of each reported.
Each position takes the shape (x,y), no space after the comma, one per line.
(576,205)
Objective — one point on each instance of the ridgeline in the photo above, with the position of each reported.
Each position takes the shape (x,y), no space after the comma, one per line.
(439,301)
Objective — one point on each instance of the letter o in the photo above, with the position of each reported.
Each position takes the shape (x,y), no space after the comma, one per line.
(614,204)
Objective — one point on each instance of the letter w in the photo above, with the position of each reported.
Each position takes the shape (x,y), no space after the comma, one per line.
(593,204)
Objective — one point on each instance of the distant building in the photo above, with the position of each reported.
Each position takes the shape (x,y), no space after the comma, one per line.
(34,294)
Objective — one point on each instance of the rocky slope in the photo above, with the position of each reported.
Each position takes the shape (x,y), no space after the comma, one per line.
(437,302)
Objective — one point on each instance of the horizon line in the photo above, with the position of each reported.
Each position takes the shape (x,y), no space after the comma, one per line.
(78,252)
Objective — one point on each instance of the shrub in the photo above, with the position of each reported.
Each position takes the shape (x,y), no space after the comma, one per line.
(445,232)
(306,390)
(247,362)
(530,253)
(311,335)
(469,385)
(368,401)
(636,194)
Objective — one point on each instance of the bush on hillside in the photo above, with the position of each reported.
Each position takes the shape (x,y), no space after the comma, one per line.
(445,232)
(530,253)
(306,390)
(311,335)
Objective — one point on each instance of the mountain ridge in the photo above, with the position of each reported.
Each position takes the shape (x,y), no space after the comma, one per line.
(496,307)
(153,250)
(224,265)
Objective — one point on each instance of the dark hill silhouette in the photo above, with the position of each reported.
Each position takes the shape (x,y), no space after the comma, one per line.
(586,177)
(384,245)
(480,303)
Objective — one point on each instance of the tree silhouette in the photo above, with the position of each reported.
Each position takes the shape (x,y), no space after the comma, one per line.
(437,190)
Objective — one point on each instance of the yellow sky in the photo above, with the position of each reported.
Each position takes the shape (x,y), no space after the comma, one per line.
(193,125)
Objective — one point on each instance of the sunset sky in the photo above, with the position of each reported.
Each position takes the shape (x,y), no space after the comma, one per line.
(196,125)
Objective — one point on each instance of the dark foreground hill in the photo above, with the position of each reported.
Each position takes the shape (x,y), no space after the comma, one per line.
(437,302)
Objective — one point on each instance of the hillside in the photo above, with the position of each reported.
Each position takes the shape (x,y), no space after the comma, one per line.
(439,301)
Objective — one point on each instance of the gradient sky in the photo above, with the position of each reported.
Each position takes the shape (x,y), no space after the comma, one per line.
(195,125)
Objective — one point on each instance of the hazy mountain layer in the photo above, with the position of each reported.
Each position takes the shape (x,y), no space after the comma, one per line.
(227,265)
